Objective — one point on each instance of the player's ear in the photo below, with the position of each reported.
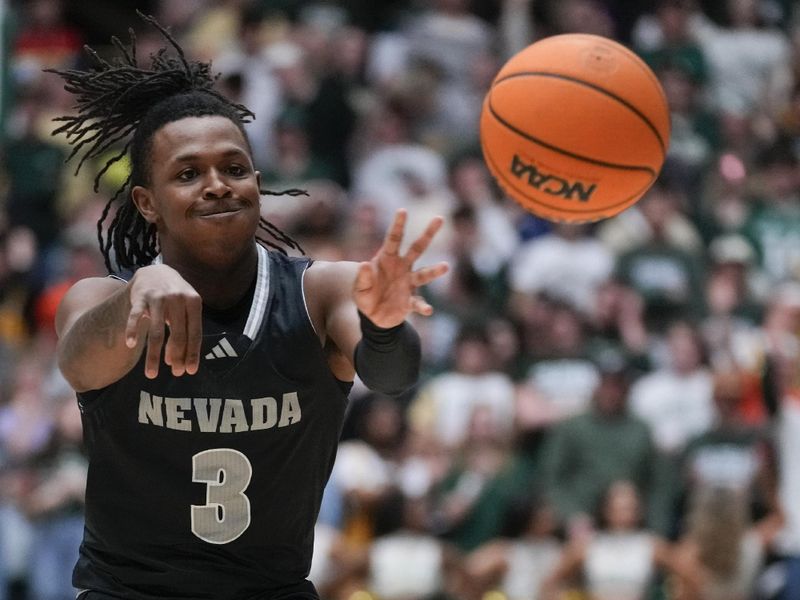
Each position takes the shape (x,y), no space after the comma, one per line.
(144,201)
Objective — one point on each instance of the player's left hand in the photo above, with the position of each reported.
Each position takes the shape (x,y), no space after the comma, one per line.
(385,287)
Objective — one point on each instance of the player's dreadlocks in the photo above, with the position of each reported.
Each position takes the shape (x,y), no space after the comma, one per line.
(119,102)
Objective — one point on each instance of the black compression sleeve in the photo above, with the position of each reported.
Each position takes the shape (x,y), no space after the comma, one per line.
(388,360)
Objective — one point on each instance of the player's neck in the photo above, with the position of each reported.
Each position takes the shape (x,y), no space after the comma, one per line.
(221,287)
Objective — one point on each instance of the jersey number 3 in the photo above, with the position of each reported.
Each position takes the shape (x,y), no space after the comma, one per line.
(226,514)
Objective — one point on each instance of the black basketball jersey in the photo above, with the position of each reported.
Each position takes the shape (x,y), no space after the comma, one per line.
(209,485)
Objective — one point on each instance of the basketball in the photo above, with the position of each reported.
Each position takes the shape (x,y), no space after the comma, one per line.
(575,128)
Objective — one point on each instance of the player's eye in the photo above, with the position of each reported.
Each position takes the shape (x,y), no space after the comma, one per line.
(187,175)
(237,170)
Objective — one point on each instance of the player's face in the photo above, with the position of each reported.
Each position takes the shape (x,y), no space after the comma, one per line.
(203,193)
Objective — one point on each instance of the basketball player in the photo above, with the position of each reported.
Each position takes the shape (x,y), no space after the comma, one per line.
(213,380)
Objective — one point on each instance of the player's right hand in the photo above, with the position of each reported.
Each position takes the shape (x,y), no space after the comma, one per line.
(160,295)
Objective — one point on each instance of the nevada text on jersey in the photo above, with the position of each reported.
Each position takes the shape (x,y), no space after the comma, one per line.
(219,415)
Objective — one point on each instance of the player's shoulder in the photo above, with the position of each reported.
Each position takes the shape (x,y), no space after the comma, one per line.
(327,284)
(332,272)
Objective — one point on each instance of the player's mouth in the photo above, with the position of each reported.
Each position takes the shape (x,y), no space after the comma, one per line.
(220,211)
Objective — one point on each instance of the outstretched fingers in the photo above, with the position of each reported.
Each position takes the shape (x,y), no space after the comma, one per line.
(425,275)
(394,237)
(422,242)
(420,306)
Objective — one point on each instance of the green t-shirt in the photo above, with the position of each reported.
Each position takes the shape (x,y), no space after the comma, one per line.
(774,230)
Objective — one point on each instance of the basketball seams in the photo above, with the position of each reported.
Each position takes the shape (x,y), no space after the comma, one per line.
(594,87)
(624,51)
(549,146)
(497,172)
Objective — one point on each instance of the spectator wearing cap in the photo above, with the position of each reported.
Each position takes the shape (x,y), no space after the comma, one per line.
(735,291)
(585,454)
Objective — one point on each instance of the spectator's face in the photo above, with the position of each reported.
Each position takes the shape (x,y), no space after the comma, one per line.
(388,128)
(743,13)
(382,423)
(451,6)
(658,207)
(684,348)
(470,181)
(349,49)
(674,21)
(781,180)
(503,340)
(622,506)
(472,357)
(610,395)
(583,16)
(292,140)
(543,522)
(566,330)
(678,88)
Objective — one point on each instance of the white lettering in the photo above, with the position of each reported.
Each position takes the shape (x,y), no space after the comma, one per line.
(233,417)
(260,407)
(150,409)
(290,411)
(217,415)
(175,409)
(207,410)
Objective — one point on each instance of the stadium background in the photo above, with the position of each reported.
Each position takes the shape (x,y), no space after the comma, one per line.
(691,298)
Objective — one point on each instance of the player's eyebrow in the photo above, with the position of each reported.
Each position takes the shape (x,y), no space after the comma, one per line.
(192,156)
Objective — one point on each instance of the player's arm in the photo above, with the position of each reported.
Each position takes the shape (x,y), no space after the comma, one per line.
(104,325)
(364,307)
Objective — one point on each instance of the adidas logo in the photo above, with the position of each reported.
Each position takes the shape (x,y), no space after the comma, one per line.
(221,350)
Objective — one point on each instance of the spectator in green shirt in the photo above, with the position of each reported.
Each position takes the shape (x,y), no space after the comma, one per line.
(586,453)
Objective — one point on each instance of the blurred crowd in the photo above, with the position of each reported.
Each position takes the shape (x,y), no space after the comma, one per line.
(606,412)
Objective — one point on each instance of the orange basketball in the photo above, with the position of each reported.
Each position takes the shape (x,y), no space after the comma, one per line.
(575,128)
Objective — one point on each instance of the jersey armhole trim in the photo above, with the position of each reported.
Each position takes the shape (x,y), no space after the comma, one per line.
(305,302)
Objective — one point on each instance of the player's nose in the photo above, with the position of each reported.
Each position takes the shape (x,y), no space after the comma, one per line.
(215,185)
